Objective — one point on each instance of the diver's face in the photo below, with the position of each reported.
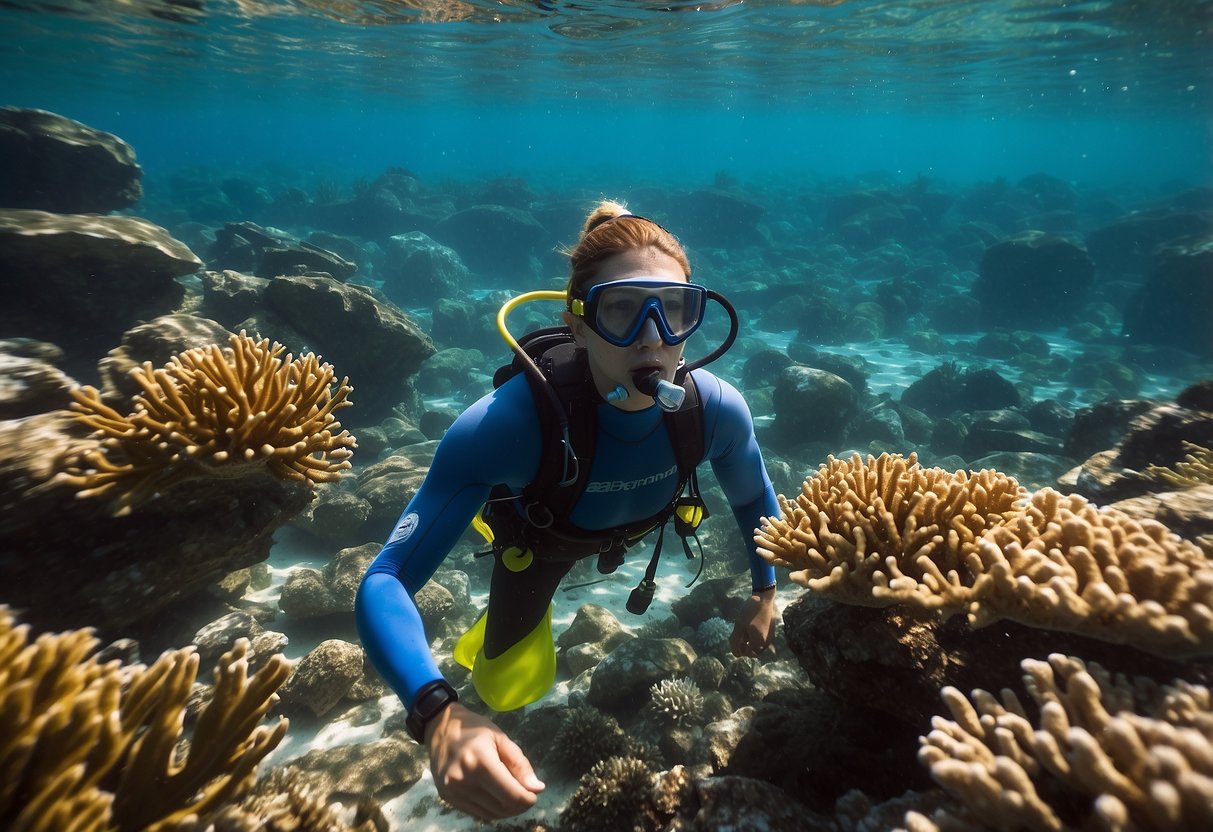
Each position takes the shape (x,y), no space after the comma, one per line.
(612,366)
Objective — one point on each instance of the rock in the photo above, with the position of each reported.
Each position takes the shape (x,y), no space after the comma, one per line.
(381,770)
(896,659)
(156,341)
(418,271)
(337,515)
(433,601)
(1188,513)
(376,344)
(1100,426)
(52,163)
(56,266)
(268,253)
(742,804)
(1032,470)
(716,218)
(1123,249)
(948,389)
(389,484)
(622,680)
(216,638)
(593,633)
(309,593)
(323,677)
(493,240)
(1175,306)
(818,748)
(715,597)
(880,423)
(811,405)
(231,296)
(984,441)
(126,570)
(1033,280)
(29,382)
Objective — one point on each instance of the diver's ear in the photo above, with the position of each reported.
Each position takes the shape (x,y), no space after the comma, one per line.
(575,325)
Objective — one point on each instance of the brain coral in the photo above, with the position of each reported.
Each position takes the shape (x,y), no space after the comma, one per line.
(587,736)
(215,412)
(617,793)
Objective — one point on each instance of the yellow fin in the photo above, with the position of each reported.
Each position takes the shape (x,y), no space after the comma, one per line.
(521,675)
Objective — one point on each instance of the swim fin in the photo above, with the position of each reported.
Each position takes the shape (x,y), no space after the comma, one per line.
(523,674)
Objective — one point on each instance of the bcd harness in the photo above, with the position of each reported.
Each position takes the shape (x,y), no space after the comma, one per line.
(542,527)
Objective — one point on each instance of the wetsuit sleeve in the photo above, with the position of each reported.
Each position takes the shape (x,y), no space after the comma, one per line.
(494,441)
(737,462)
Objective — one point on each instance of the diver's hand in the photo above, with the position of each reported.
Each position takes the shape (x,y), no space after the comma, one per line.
(755,627)
(477,768)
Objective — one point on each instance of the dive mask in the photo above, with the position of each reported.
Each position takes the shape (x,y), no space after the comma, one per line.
(617,310)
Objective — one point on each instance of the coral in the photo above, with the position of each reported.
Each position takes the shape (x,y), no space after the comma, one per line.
(676,701)
(884,530)
(887,531)
(285,802)
(215,412)
(587,736)
(617,793)
(713,633)
(1196,469)
(1103,753)
(92,746)
(1064,564)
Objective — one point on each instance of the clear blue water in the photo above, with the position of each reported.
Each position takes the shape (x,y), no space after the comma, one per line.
(601,93)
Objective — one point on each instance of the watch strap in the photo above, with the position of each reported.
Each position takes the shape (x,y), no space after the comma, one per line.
(430,701)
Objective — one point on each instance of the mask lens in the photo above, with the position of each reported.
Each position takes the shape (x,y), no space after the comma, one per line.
(619,309)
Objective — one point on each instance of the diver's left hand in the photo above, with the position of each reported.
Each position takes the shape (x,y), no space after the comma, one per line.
(755,627)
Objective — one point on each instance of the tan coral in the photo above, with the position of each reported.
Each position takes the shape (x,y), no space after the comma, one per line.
(883,530)
(886,531)
(1136,755)
(216,412)
(1195,469)
(92,746)
(1065,564)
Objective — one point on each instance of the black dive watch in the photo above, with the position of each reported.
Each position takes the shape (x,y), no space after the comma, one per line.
(431,700)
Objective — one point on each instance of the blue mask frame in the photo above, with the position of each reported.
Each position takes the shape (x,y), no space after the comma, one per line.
(659,291)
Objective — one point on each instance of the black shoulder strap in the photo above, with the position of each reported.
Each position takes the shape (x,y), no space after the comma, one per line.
(545,501)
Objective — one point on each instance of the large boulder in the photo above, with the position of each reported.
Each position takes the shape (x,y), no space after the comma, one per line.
(366,338)
(246,246)
(1175,306)
(52,163)
(1033,280)
(495,241)
(156,341)
(622,680)
(79,281)
(69,562)
(419,271)
(29,380)
(811,406)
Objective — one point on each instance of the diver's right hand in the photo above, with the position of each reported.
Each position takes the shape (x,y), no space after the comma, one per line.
(477,768)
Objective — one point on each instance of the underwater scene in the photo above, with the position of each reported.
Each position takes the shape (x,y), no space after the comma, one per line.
(946,375)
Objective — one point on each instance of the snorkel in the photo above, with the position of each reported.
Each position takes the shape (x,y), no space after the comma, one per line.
(668,395)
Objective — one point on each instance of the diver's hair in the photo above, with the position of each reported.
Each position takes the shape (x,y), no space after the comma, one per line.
(611,229)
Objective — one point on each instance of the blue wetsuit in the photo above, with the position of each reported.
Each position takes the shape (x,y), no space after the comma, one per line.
(497,441)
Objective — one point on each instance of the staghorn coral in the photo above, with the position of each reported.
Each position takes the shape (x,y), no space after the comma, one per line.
(1107,754)
(215,412)
(885,531)
(676,701)
(92,746)
(1196,469)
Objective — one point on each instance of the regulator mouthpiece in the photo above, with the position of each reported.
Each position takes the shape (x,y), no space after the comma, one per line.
(668,395)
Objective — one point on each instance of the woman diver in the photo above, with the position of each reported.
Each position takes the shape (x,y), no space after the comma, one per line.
(630,306)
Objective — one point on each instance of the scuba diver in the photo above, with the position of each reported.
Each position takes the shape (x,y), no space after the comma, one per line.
(587,444)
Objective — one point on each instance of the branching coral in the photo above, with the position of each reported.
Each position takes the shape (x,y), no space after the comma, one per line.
(1065,564)
(886,531)
(213,412)
(92,746)
(1196,469)
(1137,756)
(676,701)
